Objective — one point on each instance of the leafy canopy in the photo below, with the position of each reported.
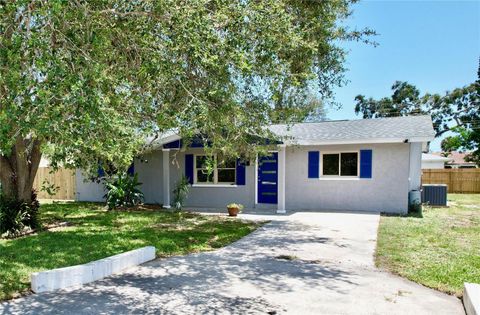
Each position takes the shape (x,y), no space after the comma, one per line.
(457,111)
(88,80)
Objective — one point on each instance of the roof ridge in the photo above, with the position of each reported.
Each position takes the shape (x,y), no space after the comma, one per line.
(348,120)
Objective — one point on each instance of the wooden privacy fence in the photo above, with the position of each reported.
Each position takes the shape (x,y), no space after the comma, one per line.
(62,183)
(462,180)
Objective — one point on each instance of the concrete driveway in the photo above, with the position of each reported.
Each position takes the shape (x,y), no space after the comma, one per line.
(304,263)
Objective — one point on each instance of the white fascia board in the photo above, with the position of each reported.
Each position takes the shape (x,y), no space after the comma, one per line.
(437,159)
(158,144)
(357,141)
(421,139)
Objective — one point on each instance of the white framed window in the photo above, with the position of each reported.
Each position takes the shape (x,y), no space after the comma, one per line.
(224,171)
(340,164)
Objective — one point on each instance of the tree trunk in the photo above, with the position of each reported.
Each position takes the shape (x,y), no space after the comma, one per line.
(18,169)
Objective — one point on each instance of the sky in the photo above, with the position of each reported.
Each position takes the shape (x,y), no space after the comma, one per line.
(434,45)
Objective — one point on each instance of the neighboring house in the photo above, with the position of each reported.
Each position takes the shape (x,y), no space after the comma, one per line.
(44,162)
(433,161)
(457,160)
(368,165)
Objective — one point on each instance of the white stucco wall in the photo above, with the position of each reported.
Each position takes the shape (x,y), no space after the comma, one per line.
(387,190)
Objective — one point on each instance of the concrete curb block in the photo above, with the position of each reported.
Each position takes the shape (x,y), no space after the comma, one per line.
(471,298)
(61,278)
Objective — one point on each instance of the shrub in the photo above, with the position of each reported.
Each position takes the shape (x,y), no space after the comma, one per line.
(31,218)
(16,215)
(180,192)
(122,192)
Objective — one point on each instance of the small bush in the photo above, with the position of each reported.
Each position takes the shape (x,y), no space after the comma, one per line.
(415,210)
(31,219)
(180,192)
(16,215)
(122,192)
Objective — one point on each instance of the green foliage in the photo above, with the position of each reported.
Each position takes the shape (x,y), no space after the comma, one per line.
(457,111)
(405,100)
(94,233)
(49,188)
(180,192)
(123,192)
(415,209)
(466,140)
(90,79)
(17,215)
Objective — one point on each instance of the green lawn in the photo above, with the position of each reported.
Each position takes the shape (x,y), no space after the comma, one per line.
(441,250)
(96,233)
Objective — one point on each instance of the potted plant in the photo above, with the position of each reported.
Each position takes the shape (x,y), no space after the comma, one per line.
(234,209)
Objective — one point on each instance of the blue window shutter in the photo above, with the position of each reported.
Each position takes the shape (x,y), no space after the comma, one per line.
(240,172)
(365,163)
(131,169)
(313,164)
(189,167)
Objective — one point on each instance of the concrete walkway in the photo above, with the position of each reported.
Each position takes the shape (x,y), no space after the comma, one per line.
(305,263)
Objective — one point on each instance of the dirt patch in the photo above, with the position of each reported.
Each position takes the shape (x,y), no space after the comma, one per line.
(306,261)
(472,206)
(172,226)
(466,219)
(55,226)
(142,208)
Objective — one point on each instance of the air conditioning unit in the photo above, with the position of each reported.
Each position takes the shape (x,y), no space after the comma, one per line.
(434,194)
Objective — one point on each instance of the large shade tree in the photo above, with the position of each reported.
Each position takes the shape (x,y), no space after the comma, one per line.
(456,112)
(87,81)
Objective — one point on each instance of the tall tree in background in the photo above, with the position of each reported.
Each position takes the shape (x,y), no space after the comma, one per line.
(89,80)
(405,100)
(466,115)
(457,111)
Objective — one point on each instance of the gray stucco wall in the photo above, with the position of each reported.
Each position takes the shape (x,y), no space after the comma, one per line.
(415,175)
(88,190)
(387,190)
(215,197)
(150,173)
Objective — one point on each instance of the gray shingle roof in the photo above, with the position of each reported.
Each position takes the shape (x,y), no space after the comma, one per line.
(397,129)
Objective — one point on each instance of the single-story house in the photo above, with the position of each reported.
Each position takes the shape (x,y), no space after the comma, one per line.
(457,160)
(369,165)
(433,161)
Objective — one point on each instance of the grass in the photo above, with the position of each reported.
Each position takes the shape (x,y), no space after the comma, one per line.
(441,250)
(95,233)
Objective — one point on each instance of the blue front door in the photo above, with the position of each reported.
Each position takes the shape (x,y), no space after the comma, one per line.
(267,178)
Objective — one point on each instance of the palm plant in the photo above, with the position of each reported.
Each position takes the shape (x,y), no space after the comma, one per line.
(123,192)
(180,193)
